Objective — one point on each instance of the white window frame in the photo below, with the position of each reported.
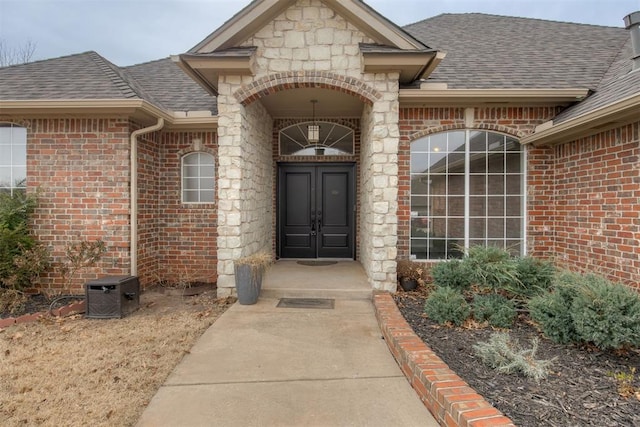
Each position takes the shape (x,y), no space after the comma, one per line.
(4,162)
(199,190)
(467,195)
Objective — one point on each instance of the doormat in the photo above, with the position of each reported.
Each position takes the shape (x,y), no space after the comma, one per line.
(322,303)
(317,263)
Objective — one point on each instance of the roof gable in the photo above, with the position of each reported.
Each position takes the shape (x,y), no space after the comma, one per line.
(253,17)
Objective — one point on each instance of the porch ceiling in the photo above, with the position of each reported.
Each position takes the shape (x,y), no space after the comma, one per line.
(297,103)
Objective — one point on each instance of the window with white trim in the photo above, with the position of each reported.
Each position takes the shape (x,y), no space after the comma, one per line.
(198,178)
(13,158)
(467,189)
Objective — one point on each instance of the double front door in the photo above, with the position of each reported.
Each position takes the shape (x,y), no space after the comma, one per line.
(316,211)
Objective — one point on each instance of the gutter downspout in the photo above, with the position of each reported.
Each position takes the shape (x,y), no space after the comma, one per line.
(134,191)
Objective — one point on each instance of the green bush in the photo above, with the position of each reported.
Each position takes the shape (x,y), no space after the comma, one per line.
(552,311)
(452,274)
(589,308)
(491,267)
(507,357)
(535,277)
(496,309)
(606,314)
(446,304)
(20,260)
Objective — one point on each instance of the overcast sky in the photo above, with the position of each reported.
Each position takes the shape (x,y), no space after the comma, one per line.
(133,31)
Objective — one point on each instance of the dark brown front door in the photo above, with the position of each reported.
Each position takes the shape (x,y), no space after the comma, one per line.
(316,207)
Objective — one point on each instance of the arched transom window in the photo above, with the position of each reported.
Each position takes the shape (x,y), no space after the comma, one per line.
(333,140)
(198,178)
(467,189)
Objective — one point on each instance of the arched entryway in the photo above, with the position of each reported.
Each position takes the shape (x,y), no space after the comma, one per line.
(362,178)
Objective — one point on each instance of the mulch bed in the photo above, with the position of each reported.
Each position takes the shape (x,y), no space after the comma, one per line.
(38,303)
(580,391)
(34,304)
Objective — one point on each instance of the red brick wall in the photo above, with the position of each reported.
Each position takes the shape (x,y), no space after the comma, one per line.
(418,122)
(582,195)
(597,218)
(187,233)
(541,202)
(149,162)
(80,168)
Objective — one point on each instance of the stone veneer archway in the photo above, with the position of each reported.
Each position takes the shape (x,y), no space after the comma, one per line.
(246,167)
(306,79)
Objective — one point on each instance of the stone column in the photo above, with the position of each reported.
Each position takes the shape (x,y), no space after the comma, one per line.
(379,220)
(231,116)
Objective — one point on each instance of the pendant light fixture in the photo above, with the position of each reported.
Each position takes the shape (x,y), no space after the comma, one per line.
(314,130)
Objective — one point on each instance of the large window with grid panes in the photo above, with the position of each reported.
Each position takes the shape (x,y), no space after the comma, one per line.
(467,189)
(13,158)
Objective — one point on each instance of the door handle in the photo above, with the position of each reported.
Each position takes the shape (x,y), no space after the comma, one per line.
(319,221)
(313,224)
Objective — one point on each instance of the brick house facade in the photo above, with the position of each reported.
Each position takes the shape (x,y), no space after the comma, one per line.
(107,147)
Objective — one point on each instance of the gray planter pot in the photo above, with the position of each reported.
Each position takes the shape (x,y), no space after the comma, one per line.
(408,284)
(248,284)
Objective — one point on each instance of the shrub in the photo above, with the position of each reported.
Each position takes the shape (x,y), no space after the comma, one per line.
(507,357)
(27,267)
(410,270)
(12,301)
(20,258)
(496,309)
(606,314)
(447,305)
(83,254)
(491,267)
(452,274)
(535,277)
(552,311)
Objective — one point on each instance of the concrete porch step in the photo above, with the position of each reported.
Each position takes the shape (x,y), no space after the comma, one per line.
(347,294)
(342,280)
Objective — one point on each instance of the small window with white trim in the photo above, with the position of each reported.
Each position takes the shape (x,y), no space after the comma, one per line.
(13,158)
(198,178)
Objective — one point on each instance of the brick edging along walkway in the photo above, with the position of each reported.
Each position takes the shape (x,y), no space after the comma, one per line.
(450,399)
(78,307)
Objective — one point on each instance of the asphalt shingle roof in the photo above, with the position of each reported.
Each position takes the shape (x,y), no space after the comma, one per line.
(619,82)
(171,87)
(81,76)
(483,52)
(90,76)
(489,51)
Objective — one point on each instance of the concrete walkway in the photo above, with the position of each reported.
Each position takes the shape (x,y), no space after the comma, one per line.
(260,365)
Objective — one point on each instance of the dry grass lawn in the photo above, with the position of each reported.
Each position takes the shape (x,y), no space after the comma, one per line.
(78,371)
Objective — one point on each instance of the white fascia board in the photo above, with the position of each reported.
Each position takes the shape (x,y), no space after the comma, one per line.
(479,96)
(129,107)
(617,113)
(204,83)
